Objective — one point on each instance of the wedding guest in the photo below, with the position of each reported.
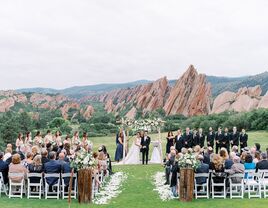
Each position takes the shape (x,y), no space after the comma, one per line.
(29,159)
(119,148)
(75,140)
(195,138)
(179,141)
(8,153)
(17,167)
(65,166)
(249,164)
(210,138)
(235,150)
(102,162)
(203,168)
(36,167)
(188,138)
(218,139)
(38,140)
(52,166)
(217,167)
(170,141)
(200,138)
(174,175)
(257,147)
(19,142)
(263,164)
(234,137)
(28,142)
(207,155)
(107,155)
(243,139)
(237,167)
(168,165)
(257,157)
(48,138)
(3,168)
(35,151)
(226,140)
(57,138)
(225,157)
(44,157)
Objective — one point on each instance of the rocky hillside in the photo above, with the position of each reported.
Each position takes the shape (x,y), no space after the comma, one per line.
(190,96)
(34,102)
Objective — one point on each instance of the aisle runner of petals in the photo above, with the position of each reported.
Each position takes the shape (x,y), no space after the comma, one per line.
(111,189)
(164,191)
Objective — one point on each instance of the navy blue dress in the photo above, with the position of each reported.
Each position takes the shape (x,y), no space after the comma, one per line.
(119,152)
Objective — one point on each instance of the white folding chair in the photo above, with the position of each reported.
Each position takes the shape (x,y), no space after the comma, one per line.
(236,182)
(3,187)
(55,193)
(215,193)
(263,174)
(34,185)
(252,184)
(204,187)
(93,187)
(66,177)
(17,185)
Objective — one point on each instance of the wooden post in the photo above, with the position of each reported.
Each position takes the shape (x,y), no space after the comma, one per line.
(70,188)
(186,184)
(160,144)
(85,185)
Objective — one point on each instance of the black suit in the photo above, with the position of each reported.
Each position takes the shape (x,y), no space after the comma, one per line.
(4,171)
(210,139)
(188,140)
(219,139)
(200,139)
(234,139)
(243,141)
(145,143)
(226,141)
(262,165)
(203,168)
(179,142)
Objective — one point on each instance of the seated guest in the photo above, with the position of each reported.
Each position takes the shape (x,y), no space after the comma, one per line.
(17,167)
(175,169)
(102,162)
(36,167)
(35,151)
(217,166)
(52,166)
(3,168)
(258,147)
(235,150)
(237,167)
(104,150)
(227,161)
(263,164)
(203,168)
(8,153)
(29,159)
(44,155)
(257,157)
(65,166)
(169,161)
(249,164)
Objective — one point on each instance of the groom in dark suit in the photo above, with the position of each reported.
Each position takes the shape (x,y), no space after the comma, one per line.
(145,143)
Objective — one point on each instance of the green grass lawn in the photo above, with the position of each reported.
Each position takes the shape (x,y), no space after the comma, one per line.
(138,188)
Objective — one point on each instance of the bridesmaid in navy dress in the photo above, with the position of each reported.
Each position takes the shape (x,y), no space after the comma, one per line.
(170,141)
(119,147)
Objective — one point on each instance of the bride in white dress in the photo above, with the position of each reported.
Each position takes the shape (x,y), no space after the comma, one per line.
(156,154)
(133,156)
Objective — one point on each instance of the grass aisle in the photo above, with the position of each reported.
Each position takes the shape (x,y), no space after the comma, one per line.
(137,193)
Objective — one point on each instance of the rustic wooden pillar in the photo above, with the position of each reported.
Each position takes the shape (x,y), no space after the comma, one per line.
(186,184)
(85,185)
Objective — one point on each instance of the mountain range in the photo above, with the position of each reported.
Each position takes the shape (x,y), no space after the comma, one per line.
(219,85)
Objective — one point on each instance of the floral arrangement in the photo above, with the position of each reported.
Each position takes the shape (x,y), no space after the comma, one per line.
(144,124)
(111,189)
(188,161)
(83,160)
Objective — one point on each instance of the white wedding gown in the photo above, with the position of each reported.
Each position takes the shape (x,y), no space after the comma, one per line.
(156,154)
(133,156)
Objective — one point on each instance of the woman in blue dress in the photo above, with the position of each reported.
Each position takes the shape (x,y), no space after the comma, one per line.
(119,147)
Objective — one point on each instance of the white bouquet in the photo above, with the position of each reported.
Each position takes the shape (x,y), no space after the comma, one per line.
(188,161)
(83,160)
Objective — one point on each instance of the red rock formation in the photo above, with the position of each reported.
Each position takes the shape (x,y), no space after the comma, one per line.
(67,106)
(6,104)
(190,96)
(264,101)
(244,100)
(88,112)
(132,113)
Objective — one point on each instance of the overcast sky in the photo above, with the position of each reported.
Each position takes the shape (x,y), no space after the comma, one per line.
(60,43)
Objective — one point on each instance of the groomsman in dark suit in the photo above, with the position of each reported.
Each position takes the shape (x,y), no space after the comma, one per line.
(179,141)
(243,139)
(195,138)
(201,137)
(234,140)
(226,140)
(210,138)
(188,138)
(145,143)
(218,139)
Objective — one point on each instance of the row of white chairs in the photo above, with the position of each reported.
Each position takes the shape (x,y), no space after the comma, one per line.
(250,182)
(36,190)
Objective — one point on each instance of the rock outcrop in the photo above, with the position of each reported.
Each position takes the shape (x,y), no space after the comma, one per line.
(264,101)
(244,100)
(190,96)
(9,98)
(88,112)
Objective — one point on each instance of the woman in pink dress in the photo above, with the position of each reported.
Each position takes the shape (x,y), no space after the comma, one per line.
(20,143)
(57,138)
(28,142)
